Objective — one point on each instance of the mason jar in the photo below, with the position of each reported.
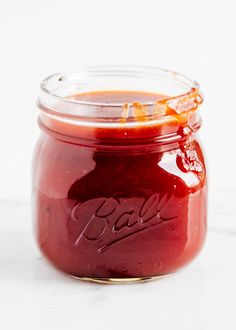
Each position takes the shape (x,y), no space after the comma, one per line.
(119,177)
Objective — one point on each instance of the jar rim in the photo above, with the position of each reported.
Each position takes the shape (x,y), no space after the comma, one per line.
(57,89)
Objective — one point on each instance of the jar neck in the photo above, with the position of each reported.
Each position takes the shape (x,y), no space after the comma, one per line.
(121,107)
(156,136)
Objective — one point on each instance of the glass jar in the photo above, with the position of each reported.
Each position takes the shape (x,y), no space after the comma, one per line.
(119,178)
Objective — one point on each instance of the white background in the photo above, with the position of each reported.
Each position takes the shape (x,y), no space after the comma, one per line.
(41,37)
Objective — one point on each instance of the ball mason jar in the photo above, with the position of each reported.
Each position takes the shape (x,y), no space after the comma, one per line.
(119,177)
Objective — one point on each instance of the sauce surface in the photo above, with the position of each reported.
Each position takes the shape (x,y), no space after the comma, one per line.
(112,97)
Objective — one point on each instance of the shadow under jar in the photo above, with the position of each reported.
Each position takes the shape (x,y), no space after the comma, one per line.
(119,178)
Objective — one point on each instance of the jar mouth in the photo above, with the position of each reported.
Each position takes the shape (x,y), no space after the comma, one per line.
(179,94)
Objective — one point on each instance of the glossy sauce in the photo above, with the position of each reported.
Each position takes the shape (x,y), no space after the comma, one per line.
(117,202)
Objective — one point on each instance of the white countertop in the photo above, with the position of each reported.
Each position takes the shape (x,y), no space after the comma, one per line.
(33,294)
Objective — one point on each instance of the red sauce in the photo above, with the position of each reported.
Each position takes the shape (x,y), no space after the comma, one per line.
(119,202)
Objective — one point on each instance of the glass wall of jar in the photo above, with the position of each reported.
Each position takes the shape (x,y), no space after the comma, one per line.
(119,177)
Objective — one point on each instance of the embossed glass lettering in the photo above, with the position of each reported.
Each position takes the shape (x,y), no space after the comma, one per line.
(119,218)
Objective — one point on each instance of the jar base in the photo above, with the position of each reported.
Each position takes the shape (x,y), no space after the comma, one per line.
(112,280)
